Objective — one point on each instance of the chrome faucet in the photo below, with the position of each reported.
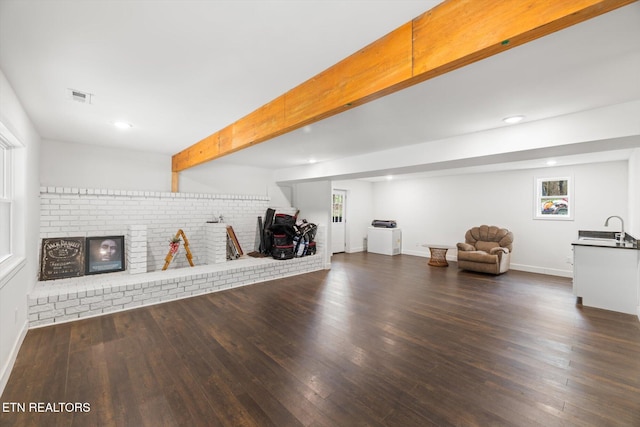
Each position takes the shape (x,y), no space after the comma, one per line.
(621,236)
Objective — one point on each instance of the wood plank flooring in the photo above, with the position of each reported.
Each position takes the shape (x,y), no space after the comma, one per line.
(375,341)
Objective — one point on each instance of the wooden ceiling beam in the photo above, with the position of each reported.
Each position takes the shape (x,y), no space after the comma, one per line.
(453,34)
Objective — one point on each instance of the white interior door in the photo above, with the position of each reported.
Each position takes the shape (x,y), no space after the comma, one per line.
(338,221)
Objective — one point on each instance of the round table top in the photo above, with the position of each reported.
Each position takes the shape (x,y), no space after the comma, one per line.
(438,246)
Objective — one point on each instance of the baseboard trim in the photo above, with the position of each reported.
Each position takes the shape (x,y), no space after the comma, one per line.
(417,253)
(519,267)
(8,366)
(542,270)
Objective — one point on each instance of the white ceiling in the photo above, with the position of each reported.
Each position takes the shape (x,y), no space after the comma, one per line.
(179,71)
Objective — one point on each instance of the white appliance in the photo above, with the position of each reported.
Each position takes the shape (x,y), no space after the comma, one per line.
(386,241)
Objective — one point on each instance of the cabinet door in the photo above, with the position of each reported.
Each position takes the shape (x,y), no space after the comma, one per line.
(606,278)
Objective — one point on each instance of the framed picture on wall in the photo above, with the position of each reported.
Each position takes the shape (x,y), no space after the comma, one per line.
(553,198)
(105,254)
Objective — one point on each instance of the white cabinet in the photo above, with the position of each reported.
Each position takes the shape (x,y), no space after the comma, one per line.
(386,241)
(607,278)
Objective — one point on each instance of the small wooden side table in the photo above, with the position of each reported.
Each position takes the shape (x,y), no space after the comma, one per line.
(438,254)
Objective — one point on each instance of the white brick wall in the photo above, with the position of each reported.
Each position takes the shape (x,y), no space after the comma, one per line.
(70,212)
(149,220)
(136,249)
(216,241)
(71,299)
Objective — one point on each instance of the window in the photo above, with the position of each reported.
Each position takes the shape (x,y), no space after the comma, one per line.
(338,205)
(553,198)
(7,142)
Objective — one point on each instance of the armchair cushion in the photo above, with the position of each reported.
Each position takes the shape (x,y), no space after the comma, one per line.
(480,256)
(486,246)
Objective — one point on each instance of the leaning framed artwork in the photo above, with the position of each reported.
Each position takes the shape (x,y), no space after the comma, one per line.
(105,254)
(235,245)
(553,198)
(62,257)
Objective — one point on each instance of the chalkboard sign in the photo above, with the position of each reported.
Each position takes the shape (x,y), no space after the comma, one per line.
(62,257)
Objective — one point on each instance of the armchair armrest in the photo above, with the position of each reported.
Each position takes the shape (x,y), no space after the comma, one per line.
(499,250)
(466,247)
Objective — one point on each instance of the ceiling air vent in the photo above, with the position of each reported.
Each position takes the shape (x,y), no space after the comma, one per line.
(79,96)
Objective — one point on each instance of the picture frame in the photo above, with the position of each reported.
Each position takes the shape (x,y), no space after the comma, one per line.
(105,254)
(553,198)
(62,257)
(235,244)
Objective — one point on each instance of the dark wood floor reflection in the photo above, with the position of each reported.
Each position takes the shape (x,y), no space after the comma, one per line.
(375,341)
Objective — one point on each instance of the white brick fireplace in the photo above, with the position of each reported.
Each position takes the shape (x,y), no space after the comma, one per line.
(148,220)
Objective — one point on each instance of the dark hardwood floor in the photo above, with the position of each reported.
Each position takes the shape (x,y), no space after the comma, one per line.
(375,341)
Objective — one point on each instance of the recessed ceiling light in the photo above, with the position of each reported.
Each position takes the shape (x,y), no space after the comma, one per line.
(551,162)
(122,125)
(312,161)
(513,119)
(389,177)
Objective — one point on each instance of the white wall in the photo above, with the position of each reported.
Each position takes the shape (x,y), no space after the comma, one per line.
(224,178)
(441,209)
(313,199)
(65,164)
(359,212)
(16,282)
(634,205)
(633,222)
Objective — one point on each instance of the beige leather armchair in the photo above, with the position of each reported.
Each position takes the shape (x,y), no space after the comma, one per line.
(487,249)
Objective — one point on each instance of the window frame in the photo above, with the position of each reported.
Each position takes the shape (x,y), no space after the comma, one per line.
(8,144)
(539,196)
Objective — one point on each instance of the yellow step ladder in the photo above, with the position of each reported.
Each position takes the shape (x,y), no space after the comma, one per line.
(169,256)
